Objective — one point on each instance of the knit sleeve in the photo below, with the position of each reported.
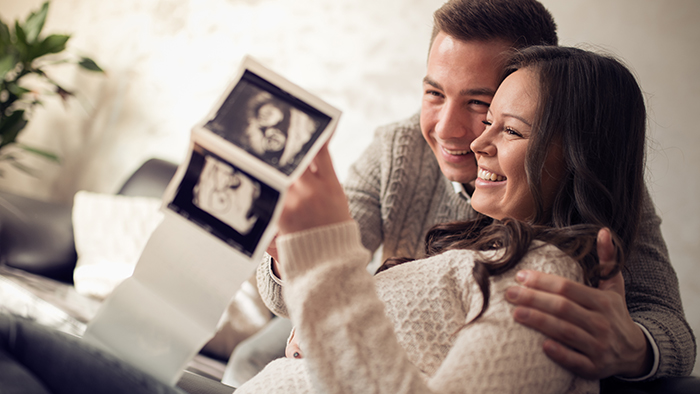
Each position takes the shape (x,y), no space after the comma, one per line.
(653,298)
(270,288)
(350,345)
(362,187)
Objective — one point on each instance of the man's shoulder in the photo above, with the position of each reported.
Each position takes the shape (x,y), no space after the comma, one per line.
(408,126)
(401,139)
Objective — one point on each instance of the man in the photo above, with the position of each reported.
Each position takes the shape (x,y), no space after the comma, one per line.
(405,182)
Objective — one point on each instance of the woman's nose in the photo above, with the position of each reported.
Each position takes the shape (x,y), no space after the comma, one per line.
(483,144)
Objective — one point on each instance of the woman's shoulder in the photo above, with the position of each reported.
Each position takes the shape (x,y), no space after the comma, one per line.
(542,256)
(459,263)
(545,257)
(452,266)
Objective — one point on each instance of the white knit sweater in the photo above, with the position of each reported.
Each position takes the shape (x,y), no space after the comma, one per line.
(397,192)
(404,330)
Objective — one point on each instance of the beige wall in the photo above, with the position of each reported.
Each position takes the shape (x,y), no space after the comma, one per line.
(168,60)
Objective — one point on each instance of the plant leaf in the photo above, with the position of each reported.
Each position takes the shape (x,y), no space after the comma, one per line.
(63,93)
(21,44)
(89,64)
(16,89)
(19,33)
(4,38)
(11,126)
(40,152)
(54,43)
(7,63)
(35,22)
(25,169)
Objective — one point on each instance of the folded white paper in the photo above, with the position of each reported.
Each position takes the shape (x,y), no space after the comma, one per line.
(220,213)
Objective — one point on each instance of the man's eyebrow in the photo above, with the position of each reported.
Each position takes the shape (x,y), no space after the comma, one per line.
(477,92)
(432,82)
(464,92)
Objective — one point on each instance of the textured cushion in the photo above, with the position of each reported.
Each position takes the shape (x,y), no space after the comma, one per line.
(110,232)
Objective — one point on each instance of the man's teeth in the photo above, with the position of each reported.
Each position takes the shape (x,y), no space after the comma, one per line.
(457,152)
(490,176)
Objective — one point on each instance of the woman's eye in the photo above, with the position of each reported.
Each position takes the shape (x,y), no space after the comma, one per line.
(514,132)
(486,122)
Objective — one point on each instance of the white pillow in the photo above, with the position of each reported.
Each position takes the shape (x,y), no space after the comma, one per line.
(110,233)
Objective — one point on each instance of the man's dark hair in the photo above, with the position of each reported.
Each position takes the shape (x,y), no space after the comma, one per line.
(521,23)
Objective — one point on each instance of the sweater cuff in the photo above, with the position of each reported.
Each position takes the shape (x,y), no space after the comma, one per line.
(304,250)
(269,261)
(655,350)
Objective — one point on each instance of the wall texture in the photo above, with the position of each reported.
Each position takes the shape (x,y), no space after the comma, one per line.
(168,60)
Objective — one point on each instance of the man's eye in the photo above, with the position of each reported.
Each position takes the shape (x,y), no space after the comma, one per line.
(477,106)
(433,93)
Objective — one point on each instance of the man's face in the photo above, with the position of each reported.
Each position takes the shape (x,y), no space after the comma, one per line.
(461,80)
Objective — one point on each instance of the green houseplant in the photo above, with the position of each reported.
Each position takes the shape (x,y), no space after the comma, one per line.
(25,54)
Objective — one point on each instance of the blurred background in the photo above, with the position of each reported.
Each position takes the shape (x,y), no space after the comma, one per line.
(167,62)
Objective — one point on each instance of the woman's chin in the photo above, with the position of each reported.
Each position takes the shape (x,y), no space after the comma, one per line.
(482,207)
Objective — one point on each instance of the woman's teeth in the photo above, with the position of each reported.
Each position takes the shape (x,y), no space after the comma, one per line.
(490,176)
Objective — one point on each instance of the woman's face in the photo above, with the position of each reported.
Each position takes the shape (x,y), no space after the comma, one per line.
(501,187)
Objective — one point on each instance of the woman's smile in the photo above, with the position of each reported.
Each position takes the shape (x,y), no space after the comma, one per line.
(489,176)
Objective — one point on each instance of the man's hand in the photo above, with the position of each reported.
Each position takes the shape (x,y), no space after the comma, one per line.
(591,332)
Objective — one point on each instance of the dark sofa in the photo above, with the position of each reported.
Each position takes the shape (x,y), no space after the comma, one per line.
(37,236)
(38,256)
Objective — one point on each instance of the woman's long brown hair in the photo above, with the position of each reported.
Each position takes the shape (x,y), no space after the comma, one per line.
(592,106)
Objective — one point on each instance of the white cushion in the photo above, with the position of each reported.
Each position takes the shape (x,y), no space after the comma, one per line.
(110,233)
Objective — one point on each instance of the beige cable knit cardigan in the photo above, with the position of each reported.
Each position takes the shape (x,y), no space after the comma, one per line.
(403,331)
(396,192)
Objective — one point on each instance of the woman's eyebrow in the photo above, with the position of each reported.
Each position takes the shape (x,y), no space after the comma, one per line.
(518,117)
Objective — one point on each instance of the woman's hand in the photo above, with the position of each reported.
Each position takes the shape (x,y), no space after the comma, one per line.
(315,199)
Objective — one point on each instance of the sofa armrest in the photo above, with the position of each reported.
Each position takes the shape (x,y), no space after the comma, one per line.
(678,385)
(149,180)
(37,236)
(197,384)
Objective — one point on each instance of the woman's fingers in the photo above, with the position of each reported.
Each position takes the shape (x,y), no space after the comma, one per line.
(315,199)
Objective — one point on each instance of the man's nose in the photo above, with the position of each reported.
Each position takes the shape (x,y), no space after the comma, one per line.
(453,123)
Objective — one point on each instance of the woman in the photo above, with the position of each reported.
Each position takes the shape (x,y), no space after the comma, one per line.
(556,148)
(562,157)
